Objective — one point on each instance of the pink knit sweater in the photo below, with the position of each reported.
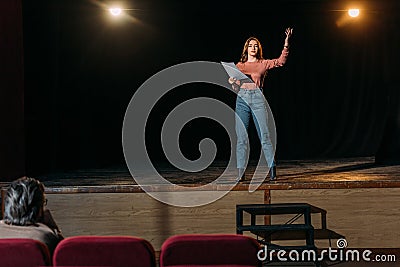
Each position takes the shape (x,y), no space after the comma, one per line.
(258,70)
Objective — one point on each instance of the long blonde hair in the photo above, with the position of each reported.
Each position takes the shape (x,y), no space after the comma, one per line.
(244,56)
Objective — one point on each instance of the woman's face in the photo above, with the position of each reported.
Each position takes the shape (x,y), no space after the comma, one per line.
(252,49)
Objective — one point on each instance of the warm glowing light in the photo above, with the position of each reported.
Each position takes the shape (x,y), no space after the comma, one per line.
(115,11)
(354,12)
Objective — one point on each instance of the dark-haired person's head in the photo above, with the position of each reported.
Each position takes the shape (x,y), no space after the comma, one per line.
(24,201)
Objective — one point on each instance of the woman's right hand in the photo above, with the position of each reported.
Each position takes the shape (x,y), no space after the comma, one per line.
(232,80)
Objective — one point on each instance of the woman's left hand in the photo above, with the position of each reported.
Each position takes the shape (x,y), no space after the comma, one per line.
(288,33)
(49,220)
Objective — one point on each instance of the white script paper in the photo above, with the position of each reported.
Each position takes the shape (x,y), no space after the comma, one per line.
(233,71)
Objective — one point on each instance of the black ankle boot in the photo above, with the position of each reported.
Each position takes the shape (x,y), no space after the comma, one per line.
(241,176)
(272,173)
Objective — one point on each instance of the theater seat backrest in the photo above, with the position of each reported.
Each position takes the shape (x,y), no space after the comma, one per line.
(223,250)
(21,252)
(111,251)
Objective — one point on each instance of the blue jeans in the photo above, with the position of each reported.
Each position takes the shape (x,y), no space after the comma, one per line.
(252,102)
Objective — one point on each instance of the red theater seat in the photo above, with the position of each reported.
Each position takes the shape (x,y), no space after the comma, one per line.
(215,250)
(110,251)
(21,252)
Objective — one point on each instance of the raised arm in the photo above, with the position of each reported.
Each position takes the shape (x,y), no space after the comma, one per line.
(278,62)
(288,33)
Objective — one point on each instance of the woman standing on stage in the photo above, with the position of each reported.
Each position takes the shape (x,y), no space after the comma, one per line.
(251,101)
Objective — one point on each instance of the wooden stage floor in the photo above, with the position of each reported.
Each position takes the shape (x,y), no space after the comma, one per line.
(292,174)
(363,205)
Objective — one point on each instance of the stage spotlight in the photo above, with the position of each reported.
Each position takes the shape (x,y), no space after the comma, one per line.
(115,11)
(354,12)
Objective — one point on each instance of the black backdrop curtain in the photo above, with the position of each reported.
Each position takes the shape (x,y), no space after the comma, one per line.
(12,147)
(341,91)
(335,97)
